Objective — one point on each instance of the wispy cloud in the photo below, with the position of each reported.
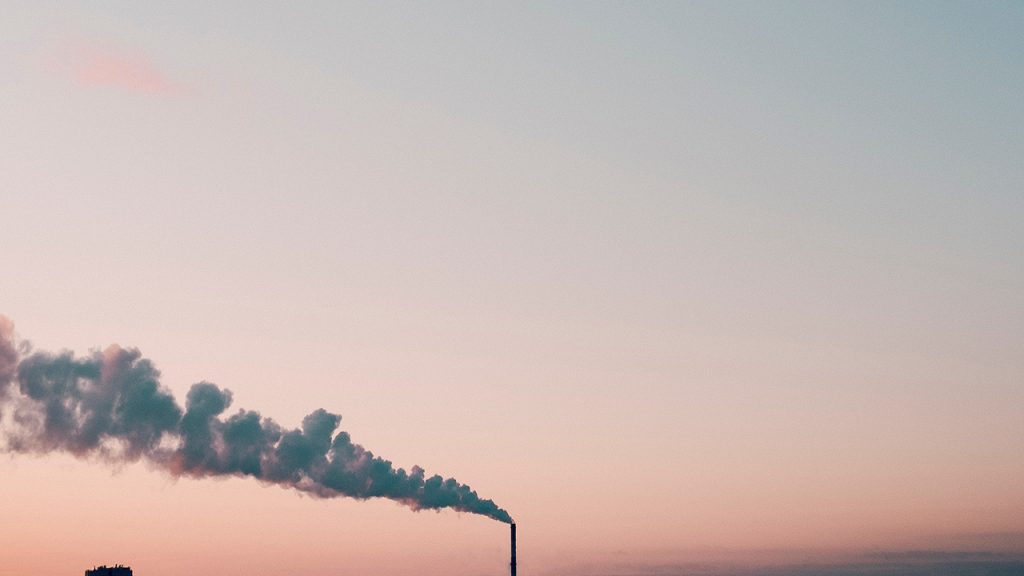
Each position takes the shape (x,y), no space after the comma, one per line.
(95,66)
(130,73)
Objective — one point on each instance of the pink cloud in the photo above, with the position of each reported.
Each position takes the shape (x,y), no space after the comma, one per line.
(133,72)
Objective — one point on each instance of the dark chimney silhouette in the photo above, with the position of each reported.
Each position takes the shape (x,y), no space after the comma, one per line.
(512,564)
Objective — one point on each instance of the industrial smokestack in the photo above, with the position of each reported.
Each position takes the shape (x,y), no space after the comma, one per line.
(110,405)
(513,563)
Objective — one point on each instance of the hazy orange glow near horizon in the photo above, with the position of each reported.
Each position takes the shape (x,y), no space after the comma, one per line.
(673,283)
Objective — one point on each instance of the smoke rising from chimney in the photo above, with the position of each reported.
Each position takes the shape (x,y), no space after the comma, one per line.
(110,405)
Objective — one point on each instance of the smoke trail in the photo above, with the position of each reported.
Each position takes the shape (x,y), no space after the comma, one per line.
(8,356)
(110,405)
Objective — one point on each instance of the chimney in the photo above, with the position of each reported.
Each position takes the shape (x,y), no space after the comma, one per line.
(513,564)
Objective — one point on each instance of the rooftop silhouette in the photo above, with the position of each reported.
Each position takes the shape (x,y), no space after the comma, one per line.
(116,570)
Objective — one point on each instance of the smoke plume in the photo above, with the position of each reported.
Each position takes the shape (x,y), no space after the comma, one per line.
(110,405)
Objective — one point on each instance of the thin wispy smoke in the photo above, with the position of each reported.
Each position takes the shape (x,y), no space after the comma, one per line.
(110,405)
(8,356)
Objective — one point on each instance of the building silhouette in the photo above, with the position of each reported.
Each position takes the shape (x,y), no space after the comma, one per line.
(116,570)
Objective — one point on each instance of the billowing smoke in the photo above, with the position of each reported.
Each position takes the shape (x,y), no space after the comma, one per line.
(110,405)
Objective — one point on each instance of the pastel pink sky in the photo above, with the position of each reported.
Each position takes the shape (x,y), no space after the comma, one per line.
(666,281)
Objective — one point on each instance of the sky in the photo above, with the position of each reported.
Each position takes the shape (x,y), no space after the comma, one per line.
(677,284)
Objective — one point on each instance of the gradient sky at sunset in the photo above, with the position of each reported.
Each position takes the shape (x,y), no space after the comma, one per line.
(672,282)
